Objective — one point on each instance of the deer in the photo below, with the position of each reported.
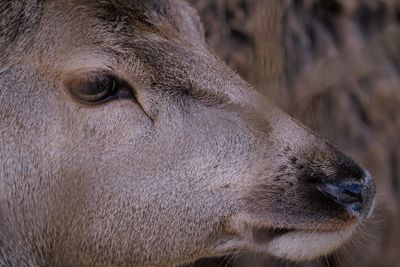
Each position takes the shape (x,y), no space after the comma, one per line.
(124,141)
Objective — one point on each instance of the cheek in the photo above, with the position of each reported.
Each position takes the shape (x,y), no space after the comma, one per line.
(92,138)
(115,122)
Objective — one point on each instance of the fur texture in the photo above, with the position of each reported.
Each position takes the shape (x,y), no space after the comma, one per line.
(193,164)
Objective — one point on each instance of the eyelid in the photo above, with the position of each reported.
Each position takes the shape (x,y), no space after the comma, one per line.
(80,85)
(99,81)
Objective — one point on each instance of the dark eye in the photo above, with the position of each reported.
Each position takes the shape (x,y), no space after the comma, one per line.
(95,87)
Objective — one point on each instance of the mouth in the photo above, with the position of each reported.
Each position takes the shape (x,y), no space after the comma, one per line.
(299,245)
(291,243)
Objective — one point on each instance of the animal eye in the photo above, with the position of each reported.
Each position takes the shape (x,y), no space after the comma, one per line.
(94,88)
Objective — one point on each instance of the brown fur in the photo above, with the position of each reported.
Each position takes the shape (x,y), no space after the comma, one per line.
(328,58)
(192,165)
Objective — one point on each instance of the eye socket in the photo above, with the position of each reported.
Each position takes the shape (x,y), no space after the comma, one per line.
(95,87)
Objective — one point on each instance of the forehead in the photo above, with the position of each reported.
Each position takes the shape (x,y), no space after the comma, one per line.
(113,15)
(122,19)
(148,30)
(160,35)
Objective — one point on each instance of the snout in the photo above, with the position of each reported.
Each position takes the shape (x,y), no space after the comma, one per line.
(355,195)
(308,201)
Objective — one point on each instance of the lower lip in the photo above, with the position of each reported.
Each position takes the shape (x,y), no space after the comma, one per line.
(304,245)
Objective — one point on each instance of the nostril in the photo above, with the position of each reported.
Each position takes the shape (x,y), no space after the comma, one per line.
(353,189)
(356,196)
(342,193)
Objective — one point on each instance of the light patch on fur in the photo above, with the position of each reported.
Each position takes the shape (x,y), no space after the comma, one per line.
(306,245)
(88,61)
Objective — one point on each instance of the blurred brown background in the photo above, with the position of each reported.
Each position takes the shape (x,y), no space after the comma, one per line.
(335,66)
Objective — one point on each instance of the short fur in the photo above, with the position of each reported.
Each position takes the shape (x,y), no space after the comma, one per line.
(197,164)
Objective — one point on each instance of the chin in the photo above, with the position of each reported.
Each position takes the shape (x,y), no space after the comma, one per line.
(290,244)
(301,245)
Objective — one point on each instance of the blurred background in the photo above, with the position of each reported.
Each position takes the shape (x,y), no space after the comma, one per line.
(335,66)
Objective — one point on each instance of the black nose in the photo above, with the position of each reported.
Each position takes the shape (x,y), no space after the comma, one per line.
(355,195)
